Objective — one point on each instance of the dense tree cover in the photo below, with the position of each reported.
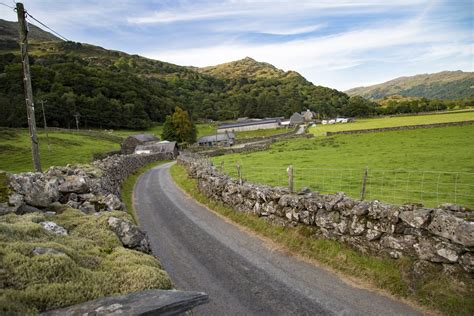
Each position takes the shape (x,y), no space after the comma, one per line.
(422,105)
(111,89)
(179,127)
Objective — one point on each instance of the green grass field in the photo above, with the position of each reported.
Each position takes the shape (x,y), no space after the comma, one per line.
(393,122)
(432,166)
(157,130)
(15,152)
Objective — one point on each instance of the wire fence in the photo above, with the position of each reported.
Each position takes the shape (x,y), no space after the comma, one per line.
(431,188)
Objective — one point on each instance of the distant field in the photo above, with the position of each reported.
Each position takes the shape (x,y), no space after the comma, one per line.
(393,122)
(404,166)
(15,152)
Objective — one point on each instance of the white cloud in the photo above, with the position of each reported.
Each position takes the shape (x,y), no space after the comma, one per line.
(407,43)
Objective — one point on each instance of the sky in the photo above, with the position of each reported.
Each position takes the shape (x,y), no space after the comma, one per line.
(336,43)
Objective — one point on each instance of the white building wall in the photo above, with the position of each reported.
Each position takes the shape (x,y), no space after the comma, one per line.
(249,127)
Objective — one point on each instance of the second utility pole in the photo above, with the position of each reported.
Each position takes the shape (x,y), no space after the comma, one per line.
(30,106)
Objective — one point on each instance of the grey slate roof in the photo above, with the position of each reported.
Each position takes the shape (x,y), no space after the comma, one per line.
(144,137)
(158,147)
(250,122)
(216,138)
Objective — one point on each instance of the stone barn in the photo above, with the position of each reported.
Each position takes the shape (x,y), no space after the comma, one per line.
(132,141)
(158,147)
(222,139)
(296,119)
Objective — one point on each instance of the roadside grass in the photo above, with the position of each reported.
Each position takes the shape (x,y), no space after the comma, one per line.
(261,133)
(371,123)
(89,263)
(127,186)
(435,290)
(397,161)
(15,152)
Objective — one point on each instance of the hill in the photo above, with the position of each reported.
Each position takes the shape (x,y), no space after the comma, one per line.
(9,35)
(112,89)
(447,85)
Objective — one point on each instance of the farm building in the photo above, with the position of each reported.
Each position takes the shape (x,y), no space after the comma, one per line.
(158,147)
(296,119)
(249,125)
(222,139)
(308,115)
(132,141)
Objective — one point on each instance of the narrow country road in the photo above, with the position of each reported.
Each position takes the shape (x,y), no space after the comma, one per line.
(241,274)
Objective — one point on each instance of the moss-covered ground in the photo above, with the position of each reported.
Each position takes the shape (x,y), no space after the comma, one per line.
(450,295)
(92,263)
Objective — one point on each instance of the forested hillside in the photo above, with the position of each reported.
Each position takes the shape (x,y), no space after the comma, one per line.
(447,85)
(113,89)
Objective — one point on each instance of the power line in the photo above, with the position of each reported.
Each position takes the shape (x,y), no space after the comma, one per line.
(29,15)
(7,5)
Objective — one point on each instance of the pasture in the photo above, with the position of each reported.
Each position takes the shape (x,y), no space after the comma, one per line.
(66,148)
(380,122)
(431,166)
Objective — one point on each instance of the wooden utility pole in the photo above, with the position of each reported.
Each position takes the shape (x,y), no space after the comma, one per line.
(30,106)
(77,115)
(44,122)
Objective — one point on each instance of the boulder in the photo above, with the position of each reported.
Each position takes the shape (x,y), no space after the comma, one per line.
(76,184)
(416,218)
(41,192)
(449,226)
(25,208)
(130,235)
(112,202)
(436,251)
(54,228)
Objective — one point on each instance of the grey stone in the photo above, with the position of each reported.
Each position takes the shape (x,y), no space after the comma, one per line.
(112,202)
(416,218)
(373,234)
(87,207)
(453,228)
(437,251)
(25,208)
(54,228)
(130,235)
(76,184)
(44,250)
(467,262)
(41,193)
(149,302)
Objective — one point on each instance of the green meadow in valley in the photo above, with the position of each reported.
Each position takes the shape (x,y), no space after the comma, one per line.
(403,166)
(382,122)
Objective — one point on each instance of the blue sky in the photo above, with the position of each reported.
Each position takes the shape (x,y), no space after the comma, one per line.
(339,43)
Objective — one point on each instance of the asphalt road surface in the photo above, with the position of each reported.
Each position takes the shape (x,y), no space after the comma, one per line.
(240,272)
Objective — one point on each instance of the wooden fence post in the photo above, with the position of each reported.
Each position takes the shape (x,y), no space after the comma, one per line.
(239,173)
(222,166)
(290,178)
(364,183)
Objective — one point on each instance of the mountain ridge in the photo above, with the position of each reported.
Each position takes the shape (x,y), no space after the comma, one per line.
(441,85)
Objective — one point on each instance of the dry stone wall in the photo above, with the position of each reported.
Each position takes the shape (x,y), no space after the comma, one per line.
(442,235)
(400,128)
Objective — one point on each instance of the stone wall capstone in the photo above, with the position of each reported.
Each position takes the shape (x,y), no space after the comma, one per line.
(442,235)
